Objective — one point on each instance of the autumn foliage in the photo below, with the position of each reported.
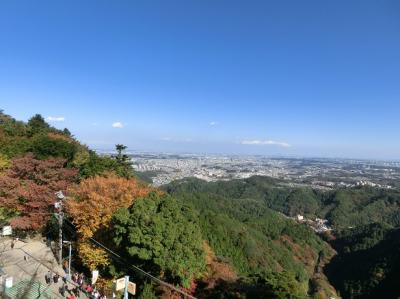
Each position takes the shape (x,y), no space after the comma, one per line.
(4,163)
(96,199)
(91,206)
(28,188)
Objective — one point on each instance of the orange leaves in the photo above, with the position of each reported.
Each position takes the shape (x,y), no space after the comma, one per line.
(96,199)
(92,204)
(217,270)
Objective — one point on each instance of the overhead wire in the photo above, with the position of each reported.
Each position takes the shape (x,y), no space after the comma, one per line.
(125,262)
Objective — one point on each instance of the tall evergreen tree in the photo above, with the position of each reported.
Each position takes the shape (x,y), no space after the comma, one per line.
(37,124)
(124,163)
(164,235)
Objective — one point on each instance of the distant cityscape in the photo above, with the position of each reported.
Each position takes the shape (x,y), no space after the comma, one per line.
(323,173)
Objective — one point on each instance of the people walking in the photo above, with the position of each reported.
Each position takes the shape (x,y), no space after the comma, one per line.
(48,277)
(51,276)
(76,291)
(56,278)
(62,290)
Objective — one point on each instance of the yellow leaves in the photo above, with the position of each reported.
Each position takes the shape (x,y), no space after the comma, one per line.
(104,284)
(60,137)
(81,157)
(91,256)
(5,163)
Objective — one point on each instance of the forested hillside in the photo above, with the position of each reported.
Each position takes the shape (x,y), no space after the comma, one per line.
(368,262)
(231,239)
(261,244)
(343,207)
(240,221)
(104,201)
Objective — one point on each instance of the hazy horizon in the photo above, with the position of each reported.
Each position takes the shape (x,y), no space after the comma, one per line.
(130,151)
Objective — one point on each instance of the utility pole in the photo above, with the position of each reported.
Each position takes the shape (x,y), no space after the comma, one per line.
(60,242)
(126,287)
(59,205)
(69,259)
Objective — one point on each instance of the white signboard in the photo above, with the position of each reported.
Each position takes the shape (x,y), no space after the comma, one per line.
(131,288)
(95,275)
(120,284)
(9,282)
(60,195)
(7,231)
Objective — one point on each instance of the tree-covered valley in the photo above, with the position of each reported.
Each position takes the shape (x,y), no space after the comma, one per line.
(227,239)
(243,221)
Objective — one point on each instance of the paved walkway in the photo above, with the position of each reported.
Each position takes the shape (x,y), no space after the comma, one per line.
(39,260)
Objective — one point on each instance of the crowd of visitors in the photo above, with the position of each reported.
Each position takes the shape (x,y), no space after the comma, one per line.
(69,289)
(78,286)
(89,289)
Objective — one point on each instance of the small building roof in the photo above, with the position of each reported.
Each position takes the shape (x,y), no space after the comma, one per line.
(28,290)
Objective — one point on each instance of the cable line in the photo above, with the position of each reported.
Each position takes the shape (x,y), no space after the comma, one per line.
(125,262)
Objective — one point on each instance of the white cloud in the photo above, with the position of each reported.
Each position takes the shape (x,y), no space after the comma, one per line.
(265,142)
(213,123)
(118,125)
(55,118)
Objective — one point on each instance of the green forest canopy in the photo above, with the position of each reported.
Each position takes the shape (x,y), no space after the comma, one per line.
(240,220)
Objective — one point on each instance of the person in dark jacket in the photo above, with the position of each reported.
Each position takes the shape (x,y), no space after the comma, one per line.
(62,290)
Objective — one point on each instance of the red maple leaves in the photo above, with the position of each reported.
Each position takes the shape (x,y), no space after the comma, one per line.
(28,188)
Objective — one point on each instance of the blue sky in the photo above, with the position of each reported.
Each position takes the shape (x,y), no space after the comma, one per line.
(304,78)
